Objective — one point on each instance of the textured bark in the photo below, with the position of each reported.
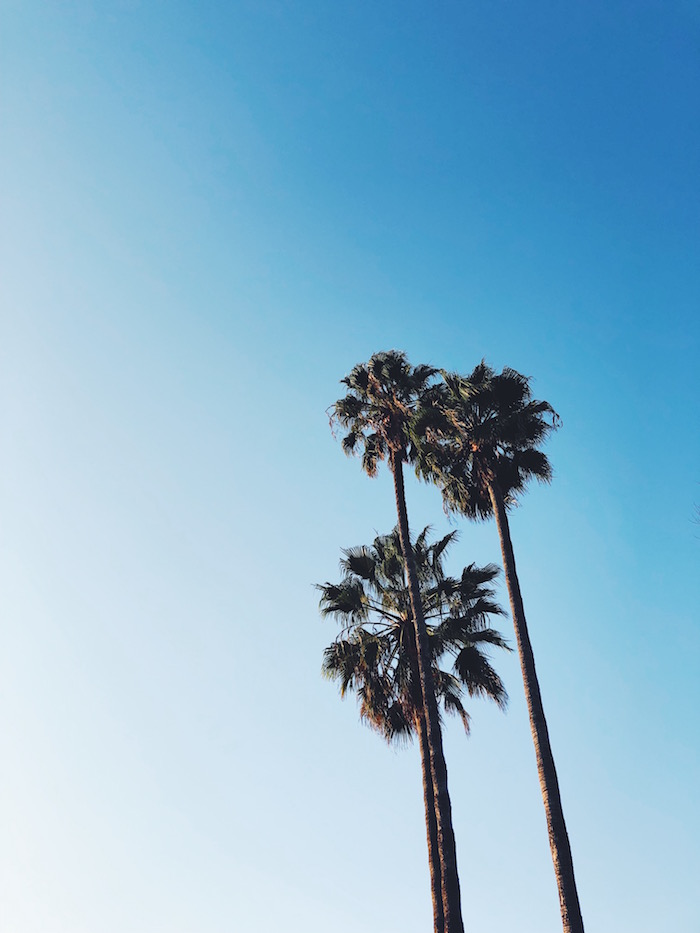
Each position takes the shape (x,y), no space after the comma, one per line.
(572,921)
(431,826)
(451,900)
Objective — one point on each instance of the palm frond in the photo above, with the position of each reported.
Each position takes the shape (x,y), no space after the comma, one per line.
(359,561)
(374,653)
(349,443)
(344,601)
(478,676)
(483,428)
(380,407)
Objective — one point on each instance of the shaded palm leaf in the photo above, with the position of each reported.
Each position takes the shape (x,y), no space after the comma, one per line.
(374,654)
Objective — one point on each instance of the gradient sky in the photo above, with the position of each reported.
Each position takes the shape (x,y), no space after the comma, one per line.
(211,212)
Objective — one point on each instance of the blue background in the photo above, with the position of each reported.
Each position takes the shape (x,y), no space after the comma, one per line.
(211,213)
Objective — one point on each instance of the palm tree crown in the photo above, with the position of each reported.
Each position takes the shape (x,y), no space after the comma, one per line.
(482,428)
(374,654)
(379,406)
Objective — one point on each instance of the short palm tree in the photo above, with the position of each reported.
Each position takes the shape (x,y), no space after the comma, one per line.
(374,655)
(479,439)
(377,413)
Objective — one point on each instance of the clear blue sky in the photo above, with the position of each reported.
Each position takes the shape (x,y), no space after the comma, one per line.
(210,213)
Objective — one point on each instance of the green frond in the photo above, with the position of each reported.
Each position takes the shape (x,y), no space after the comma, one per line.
(489,636)
(419,544)
(374,654)
(439,548)
(398,727)
(478,676)
(347,409)
(370,457)
(349,443)
(533,463)
(381,404)
(422,374)
(453,704)
(341,662)
(357,379)
(484,606)
(359,561)
(346,601)
(473,578)
(484,427)
(449,690)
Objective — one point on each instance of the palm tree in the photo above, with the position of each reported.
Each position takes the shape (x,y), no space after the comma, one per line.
(374,655)
(480,437)
(377,413)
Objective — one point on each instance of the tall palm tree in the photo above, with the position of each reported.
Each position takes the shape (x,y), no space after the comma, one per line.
(378,412)
(480,435)
(374,655)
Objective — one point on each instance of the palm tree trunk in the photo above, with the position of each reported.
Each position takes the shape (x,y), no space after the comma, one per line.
(572,921)
(451,899)
(430,826)
(428,795)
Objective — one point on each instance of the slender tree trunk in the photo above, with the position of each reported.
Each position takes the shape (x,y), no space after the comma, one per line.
(572,921)
(451,900)
(430,826)
(428,795)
